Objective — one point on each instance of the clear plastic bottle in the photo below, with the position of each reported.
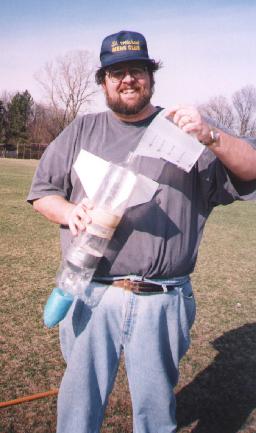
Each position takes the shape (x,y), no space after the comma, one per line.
(80,263)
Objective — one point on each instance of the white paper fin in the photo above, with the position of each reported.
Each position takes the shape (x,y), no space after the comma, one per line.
(144,191)
(91,170)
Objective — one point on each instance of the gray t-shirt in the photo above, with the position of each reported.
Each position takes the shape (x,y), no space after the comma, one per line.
(158,239)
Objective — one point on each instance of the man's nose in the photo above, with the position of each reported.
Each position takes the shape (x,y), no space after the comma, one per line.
(128,77)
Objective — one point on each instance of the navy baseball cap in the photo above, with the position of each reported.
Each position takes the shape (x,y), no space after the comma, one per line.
(123,47)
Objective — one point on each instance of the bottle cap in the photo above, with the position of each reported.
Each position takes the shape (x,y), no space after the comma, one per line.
(57,307)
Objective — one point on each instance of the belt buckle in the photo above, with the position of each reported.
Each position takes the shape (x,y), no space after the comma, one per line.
(131,285)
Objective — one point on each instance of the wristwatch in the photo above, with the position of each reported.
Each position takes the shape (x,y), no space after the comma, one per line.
(214,137)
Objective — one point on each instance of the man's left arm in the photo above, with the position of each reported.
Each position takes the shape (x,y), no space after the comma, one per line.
(235,153)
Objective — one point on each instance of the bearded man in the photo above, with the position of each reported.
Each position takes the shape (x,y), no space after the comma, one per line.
(148,307)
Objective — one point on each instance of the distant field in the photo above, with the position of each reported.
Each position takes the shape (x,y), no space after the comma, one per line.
(217,389)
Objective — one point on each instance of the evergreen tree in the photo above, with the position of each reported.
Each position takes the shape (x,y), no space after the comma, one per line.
(19,113)
(3,121)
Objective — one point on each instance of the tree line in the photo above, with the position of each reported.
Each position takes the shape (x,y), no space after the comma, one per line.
(22,120)
(238,115)
(69,89)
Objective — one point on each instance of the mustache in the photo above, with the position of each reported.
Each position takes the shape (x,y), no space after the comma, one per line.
(132,86)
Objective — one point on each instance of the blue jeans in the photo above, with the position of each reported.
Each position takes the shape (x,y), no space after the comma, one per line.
(153,332)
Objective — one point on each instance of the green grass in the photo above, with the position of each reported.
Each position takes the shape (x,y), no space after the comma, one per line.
(217,388)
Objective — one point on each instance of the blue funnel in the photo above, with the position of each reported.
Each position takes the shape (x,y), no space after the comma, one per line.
(57,307)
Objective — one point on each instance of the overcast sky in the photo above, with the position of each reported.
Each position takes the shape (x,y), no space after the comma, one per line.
(207,47)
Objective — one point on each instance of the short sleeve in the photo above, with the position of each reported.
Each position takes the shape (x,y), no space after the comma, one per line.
(219,185)
(52,176)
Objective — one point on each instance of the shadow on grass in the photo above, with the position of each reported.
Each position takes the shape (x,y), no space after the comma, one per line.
(220,398)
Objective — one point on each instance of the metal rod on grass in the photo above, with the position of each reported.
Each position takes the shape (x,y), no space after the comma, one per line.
(27,398)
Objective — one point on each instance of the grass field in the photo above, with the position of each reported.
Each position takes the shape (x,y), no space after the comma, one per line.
(217,388)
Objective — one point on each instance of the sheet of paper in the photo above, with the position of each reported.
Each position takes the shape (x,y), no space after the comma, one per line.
(91,170)
(163,139)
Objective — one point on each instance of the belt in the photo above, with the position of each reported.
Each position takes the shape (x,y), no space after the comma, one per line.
(139,286)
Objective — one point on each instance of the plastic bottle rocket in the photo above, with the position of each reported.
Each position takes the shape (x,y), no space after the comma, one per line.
(79,265)
(161,139)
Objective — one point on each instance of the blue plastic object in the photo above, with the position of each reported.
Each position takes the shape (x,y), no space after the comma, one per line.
(57,307)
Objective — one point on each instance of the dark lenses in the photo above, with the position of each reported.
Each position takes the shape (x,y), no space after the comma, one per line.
(136,72)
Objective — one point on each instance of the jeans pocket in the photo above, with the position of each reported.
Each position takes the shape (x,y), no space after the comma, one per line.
(189,303)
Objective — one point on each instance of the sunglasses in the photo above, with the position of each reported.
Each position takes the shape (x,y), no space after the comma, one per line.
(117,75)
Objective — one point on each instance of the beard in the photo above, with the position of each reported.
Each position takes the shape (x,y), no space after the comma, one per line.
(116,104)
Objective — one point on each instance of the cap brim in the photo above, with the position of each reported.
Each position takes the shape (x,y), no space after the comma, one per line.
(127,59)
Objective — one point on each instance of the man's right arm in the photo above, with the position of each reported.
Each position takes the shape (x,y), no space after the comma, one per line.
(60,211)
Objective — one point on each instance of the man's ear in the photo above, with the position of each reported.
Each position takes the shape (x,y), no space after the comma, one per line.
(103,85)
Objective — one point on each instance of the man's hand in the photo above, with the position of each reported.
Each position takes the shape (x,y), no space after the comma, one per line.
(58,210)
(189,120)
(235,153)
(78,217)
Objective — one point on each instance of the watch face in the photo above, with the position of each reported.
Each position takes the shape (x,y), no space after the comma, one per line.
(215,135)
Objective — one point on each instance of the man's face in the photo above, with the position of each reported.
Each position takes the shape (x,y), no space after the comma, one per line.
(128,87)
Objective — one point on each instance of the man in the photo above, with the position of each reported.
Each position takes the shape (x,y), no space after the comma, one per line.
(148,307)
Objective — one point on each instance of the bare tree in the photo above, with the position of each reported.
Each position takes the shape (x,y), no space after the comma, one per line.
(68,83)
(239,116)
(43,128)
(220,111)
(244,101)
(6,97)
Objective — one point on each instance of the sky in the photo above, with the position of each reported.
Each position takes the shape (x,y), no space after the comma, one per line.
(207,47)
